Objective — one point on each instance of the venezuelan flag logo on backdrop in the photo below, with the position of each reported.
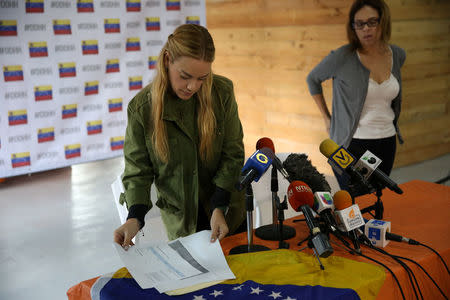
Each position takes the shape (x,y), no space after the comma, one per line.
(17,117)
(13,73)
(115,104)
(8,27)
(67,69)
(62,27)
(173,5)
(85,6)
(69,111)
(38,49)
(46,134)
(20,159)
(152,62)
(133,44)
(135,83)
(91,87)
(112,25)
(73,150)
(34,6)
(43,92)
(94,127)
(193,20)
(89,47)
(276,274)
(152,24)
(133,5)
(117,142)
(112,65)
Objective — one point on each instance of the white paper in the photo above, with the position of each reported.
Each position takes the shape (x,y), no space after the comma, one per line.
(181,263)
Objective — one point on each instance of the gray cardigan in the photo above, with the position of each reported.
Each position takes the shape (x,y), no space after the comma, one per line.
(350,83)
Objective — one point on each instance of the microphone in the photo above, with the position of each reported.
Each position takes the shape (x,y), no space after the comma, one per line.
(379,233)
(348,216)
(255,167)
(266,142)
(301,199)
(342,161)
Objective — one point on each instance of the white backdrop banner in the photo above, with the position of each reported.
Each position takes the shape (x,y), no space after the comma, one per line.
(69,70)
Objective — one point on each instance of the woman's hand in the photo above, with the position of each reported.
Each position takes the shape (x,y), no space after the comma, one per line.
(125,233)
(219,227)
(327,124)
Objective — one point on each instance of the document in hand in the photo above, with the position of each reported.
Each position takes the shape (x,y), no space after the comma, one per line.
(181,263)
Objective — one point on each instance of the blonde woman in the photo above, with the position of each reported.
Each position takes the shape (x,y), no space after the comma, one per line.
(184,134)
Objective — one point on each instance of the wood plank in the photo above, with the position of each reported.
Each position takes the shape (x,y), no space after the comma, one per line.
(421,154)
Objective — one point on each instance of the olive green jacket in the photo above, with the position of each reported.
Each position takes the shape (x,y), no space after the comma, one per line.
(185,182)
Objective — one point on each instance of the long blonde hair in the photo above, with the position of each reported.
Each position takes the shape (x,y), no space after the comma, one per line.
(192,41)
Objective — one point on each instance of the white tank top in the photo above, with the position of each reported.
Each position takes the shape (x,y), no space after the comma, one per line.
(377,116)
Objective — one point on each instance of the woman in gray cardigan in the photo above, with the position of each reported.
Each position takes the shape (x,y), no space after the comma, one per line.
(366,86)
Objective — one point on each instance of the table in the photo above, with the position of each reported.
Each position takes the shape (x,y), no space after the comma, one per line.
(421,213)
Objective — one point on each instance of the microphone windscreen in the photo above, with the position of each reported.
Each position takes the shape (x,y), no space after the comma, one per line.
(265,142)
(342,200)
(299,167)
(299,193)
(328,147)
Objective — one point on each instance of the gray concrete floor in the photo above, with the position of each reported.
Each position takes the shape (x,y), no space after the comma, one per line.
(56,226)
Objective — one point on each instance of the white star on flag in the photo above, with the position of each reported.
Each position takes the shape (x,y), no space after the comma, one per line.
(289,298)
(256,291)
(216,293)
(275,295)
(199,297)
(239,287)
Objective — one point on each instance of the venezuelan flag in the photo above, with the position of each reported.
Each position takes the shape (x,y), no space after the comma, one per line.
(152,24)
(152,60)
(91,87)
(69,111)
(67,69)
(94,127)
(13,73)
(17,117)
(112,25)
(43,92)
(46,134)
(117,142)
(20,159)
(193,20)
(115,104)
(112,65)
(38,49)
(135,82)
(173,4)
(73,150)
(133,44)
(62,27)
(8,27)
(34,6)
(133,5)
(276,274)
(85,6)
(89,47)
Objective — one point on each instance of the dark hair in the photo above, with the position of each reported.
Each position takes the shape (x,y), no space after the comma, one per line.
(383,13)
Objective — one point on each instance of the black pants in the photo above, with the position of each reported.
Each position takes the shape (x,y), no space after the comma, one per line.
(382,148)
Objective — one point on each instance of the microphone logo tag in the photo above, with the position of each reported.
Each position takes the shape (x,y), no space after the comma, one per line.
(342,158)
(262,158)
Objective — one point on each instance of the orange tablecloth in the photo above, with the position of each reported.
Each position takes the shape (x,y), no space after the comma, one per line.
(421,213)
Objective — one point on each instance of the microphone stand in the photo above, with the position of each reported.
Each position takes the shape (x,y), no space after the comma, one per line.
(281,206)
(250,247)
(378,207)
(274,231)
(311,246)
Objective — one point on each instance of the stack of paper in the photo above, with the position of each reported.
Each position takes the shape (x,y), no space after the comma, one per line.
(181,263)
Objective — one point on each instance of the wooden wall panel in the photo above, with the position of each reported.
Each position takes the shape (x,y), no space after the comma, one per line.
(268,48)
